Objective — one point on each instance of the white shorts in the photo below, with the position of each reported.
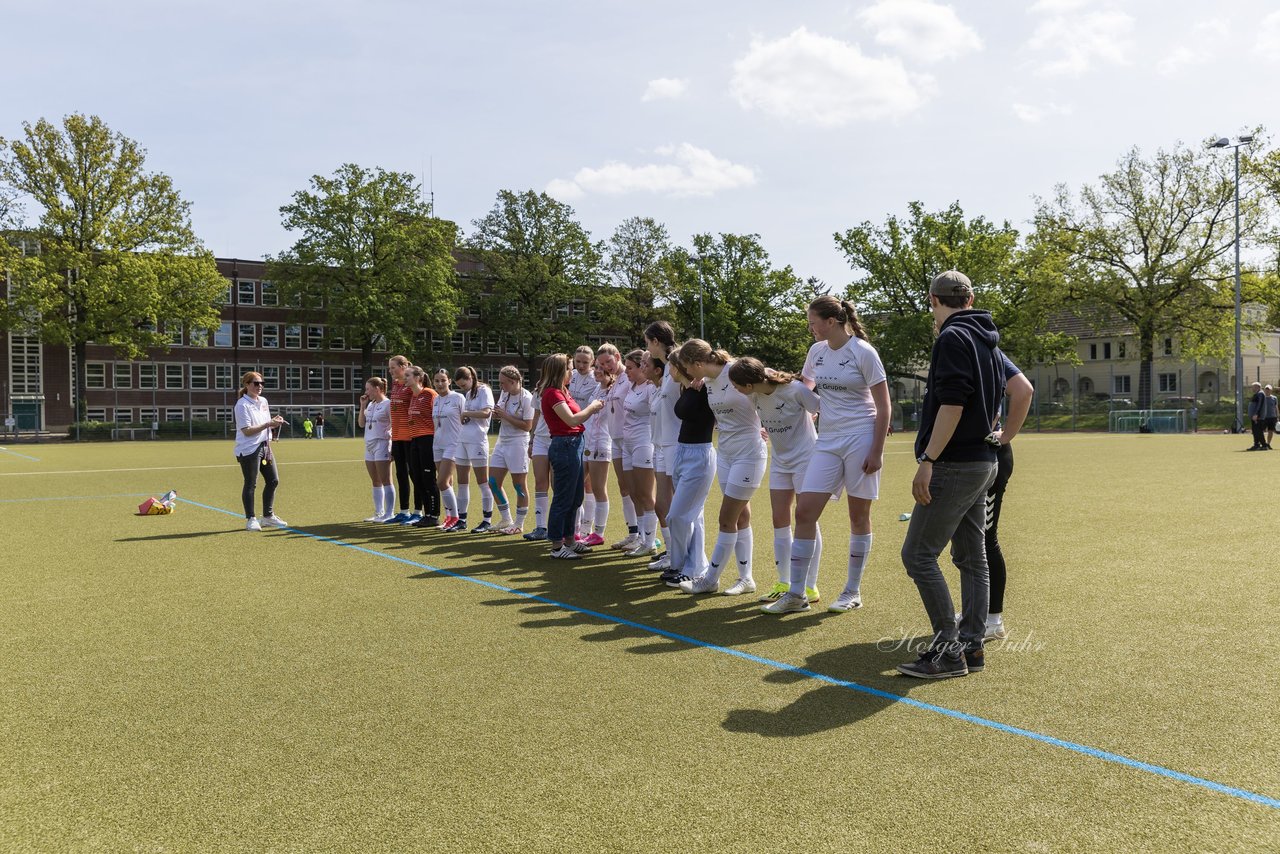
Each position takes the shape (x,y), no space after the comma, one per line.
(471,454)
(512,456)
(667,455)
(659,460)
(637,456)
(836,464)
(377,451)
(599,451)
(792,480)
(740,478)
(617,449)
(541,446)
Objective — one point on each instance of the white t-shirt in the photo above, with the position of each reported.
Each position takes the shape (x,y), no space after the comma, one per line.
(518,405)
(447,414)
(597,426)
(582,387)
(476,429)
(737,419)
(251,413)
(377,421)
(636,429)
(786,415)
(843,379)
(666,430)
(617,409)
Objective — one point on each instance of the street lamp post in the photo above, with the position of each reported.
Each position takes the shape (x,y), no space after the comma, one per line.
(1224,142)
(702,321)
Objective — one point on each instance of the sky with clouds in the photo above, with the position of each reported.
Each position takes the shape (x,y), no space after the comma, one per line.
(792,121)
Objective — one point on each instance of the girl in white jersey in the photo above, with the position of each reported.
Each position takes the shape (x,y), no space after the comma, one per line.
(610,359)
(539,459)
(511,452)
(740,464)
(582,388)
(786,408)
(849,379)
(637,451)
(597,453)
(473,447)
(447,414)
(375,419)
(660,340)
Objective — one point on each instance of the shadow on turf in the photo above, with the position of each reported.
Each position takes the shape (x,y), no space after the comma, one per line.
(184,536)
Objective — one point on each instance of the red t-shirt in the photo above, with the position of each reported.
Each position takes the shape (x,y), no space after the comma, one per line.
(420,422)
(555,424)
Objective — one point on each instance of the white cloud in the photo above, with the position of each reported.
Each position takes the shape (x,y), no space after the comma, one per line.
(920,29)
(1034,114)
(1074,36)
(687,171)
(665,88)
(824,81)
(1202,43)
(1268,42)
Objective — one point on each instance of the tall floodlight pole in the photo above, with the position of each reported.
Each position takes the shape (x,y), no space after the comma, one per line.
(1224,142)
(702,320)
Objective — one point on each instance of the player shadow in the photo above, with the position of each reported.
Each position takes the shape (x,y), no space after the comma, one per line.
(186,535)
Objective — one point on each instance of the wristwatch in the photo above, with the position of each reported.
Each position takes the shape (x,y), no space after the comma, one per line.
(924,458)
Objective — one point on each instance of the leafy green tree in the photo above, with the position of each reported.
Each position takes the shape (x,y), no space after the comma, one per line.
(635,260)
(372,257)
(541,278)
(112,253)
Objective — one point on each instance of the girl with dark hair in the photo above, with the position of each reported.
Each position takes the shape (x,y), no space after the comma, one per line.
(254,423)
(660,340)
(692,475)
(511,452)
(564,420)
(473,448)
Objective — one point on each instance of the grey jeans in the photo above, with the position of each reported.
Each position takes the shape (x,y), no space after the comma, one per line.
(956,513)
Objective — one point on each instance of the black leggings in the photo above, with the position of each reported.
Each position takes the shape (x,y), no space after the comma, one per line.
(995,500)
(249,465)
(400,454)
(422,468)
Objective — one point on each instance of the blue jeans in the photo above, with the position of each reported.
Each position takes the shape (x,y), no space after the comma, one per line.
(565,456)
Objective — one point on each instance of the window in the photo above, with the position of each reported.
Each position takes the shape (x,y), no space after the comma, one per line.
(473,311)
(494,346)
(226,297)
(96,413)
(420,339)
(147,376)
(337,378)
(337,342)
(437,342)
(123,375)
(222,413)
(315,337)
(269,296)
(199,338)
(173,376)
(95,374)
(293,337)
(222,336)
(174,331)
(1168,382)
(579,307)
(174,414)
(270,378)
(1106,350)
(246,292)
(1121,384)
(1120,350)
(124,415)
(271,335)
(458,342)
(1093,352)
(1168,346)
(357,377)
(513,348)
(475,343)
(315,379)
(148,416)
(293,377)
(200,413)
(562,310)
(248,334)
(199,376)
(222,376)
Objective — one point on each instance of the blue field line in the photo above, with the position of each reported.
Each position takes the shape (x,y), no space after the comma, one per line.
(24,456)
(74,497)
(1075,747)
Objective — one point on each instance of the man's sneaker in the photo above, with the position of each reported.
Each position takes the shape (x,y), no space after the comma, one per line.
(536,534)
(701,584)
(995,630)
(564,553)
(581,548)
(427,522)
(812,594)
(975,658)
(786,603)
(627,543)
(775,592)
(742,585)
(274,521)
(934,664)
(252,524)
(483,528)
(414,518)
(593,539)
(846,601)
(398,519)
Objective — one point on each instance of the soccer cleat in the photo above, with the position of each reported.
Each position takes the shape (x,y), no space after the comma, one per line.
(594,540)
(414,518)
(251,524)
(812,594)
(581,548)
(398,519)
(935,664)
(427,522)
(641,550)
(787,603)
(384,518)
(846,601)
(449,522)
(536,534)
(701,584)
(511,529)
(742,585)
(483,528)
(775,592)
(458,526)
(564,553)
(627,543)
(274,521)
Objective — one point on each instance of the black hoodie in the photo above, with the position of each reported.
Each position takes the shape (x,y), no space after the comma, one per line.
(964,370)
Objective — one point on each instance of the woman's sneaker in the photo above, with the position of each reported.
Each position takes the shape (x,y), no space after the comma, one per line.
(995,629)
(787,603)
(627,543)
(775,592)
(701,584)
(742,585)
(252,524)
(662,564)
(846,601)
(274,521)
(564,553)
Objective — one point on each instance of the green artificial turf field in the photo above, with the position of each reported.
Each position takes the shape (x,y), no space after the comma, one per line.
(178,684)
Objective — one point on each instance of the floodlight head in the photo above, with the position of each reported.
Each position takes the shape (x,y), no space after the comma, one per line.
(1244,138)
(1220,142)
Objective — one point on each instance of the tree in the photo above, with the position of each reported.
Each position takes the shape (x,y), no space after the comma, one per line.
(636,261)
(112,254)
(372,256)
(1151,243)
(542,280)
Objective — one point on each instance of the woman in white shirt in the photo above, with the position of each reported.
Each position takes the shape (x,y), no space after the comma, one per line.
(582,388)
(610,359)
(597,453)
(254,422)
(660,340)
(511,452)
(374,418)
(637,451)
(473,447)
(741,458)
(447,415)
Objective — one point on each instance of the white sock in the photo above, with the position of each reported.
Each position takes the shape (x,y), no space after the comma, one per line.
(859,550)
(743,548)
(450,502)
(577,520)
(486,498)
(504,511)
(389,499)
(782,553)
(464,498)
(802,555)
(722,553)
(377,501)
(521,513)
(629,513)
(648,527)
(816,561)
(666,536)
(588,514)
(540,503)
(602,516)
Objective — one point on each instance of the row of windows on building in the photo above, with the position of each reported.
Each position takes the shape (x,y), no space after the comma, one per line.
(150,415)
(1105,349)
(1123,384)
(292,336)
(183,376)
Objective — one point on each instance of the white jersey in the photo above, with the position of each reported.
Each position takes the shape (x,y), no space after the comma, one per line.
(737,419)
(251,413)
(447,414)
(786,415)
(541,430)
(377,421)
(636,429)
(843,379)
(476,429)
(518,405)
(597,426)
(582,388)
(666,430)
(616,405)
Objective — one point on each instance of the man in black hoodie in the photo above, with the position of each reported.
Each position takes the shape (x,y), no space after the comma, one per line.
(956,452)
